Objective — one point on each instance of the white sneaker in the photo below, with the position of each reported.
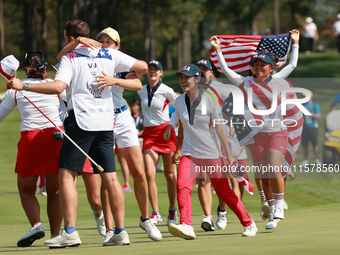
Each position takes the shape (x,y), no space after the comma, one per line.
(183,231)
(265,211)
(207,223)
(35,233)
(43,192)
(155,217)
(151,229)
(318,163)
(272,223)
(108,236)
(121,239)
(250,230)
(304,163)
(279,212)
(100,224)
(285,205)
(64,240)
(221,222)
(172,217)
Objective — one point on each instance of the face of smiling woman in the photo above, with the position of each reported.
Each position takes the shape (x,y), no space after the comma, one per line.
(154,74)
(188,83)
(262,69)
(206,73)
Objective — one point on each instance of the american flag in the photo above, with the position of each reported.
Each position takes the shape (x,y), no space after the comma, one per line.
(238,49)
(262,100)
(239,172)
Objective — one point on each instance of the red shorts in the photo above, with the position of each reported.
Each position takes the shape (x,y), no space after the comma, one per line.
(38,153)
(268,141)
(153,139)
(117,150)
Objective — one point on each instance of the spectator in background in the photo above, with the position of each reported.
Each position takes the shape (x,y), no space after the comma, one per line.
(310,33)
(335,102)
(268,31)
(310,131)
(336,31)
(137,116)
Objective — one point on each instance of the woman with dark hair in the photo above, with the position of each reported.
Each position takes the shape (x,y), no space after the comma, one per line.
(271,142)
(38,148)
(198,150)
(237,79)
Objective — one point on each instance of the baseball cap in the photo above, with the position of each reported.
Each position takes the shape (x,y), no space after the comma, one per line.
(110,32)
(156,63)
(205,62)
(264,57)
(309,20)
(190,70)
(338,16)
(8,67)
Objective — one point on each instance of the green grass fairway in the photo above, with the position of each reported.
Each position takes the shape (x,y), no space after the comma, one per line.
(311,225)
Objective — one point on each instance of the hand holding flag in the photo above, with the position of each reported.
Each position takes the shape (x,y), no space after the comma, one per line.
(238,49)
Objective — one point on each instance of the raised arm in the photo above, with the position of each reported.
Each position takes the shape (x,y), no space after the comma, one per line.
(286,71)
(235,78)
(80,40)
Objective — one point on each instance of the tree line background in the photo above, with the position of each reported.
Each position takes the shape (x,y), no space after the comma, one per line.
(172,31)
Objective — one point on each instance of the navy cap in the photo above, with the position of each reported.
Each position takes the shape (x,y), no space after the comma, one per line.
(156,63)
(190,70)
(264,57)
(205,62)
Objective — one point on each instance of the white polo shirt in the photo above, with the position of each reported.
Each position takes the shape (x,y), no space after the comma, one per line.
(310,30)
(31,118)
(336,26)
(93,108)
(199,136)
(217,89)
(155,104)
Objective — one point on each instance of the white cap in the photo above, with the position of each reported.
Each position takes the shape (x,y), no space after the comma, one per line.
(309,20)
(8,67)
(338,16)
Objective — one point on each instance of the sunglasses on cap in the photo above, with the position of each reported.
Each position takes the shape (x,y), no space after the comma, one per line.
(37,52)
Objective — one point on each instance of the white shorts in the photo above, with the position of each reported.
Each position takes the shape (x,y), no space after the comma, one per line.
(125,132)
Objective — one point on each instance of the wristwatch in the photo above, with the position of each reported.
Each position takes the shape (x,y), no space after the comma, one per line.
(26,86)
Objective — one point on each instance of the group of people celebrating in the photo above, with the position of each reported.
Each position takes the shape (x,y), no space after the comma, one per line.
(89,84)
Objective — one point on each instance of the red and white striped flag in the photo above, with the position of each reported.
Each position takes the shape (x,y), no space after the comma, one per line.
(240,174)
(238,49)
(262,100)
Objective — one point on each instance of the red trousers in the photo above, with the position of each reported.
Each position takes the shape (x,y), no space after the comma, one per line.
(188,172)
